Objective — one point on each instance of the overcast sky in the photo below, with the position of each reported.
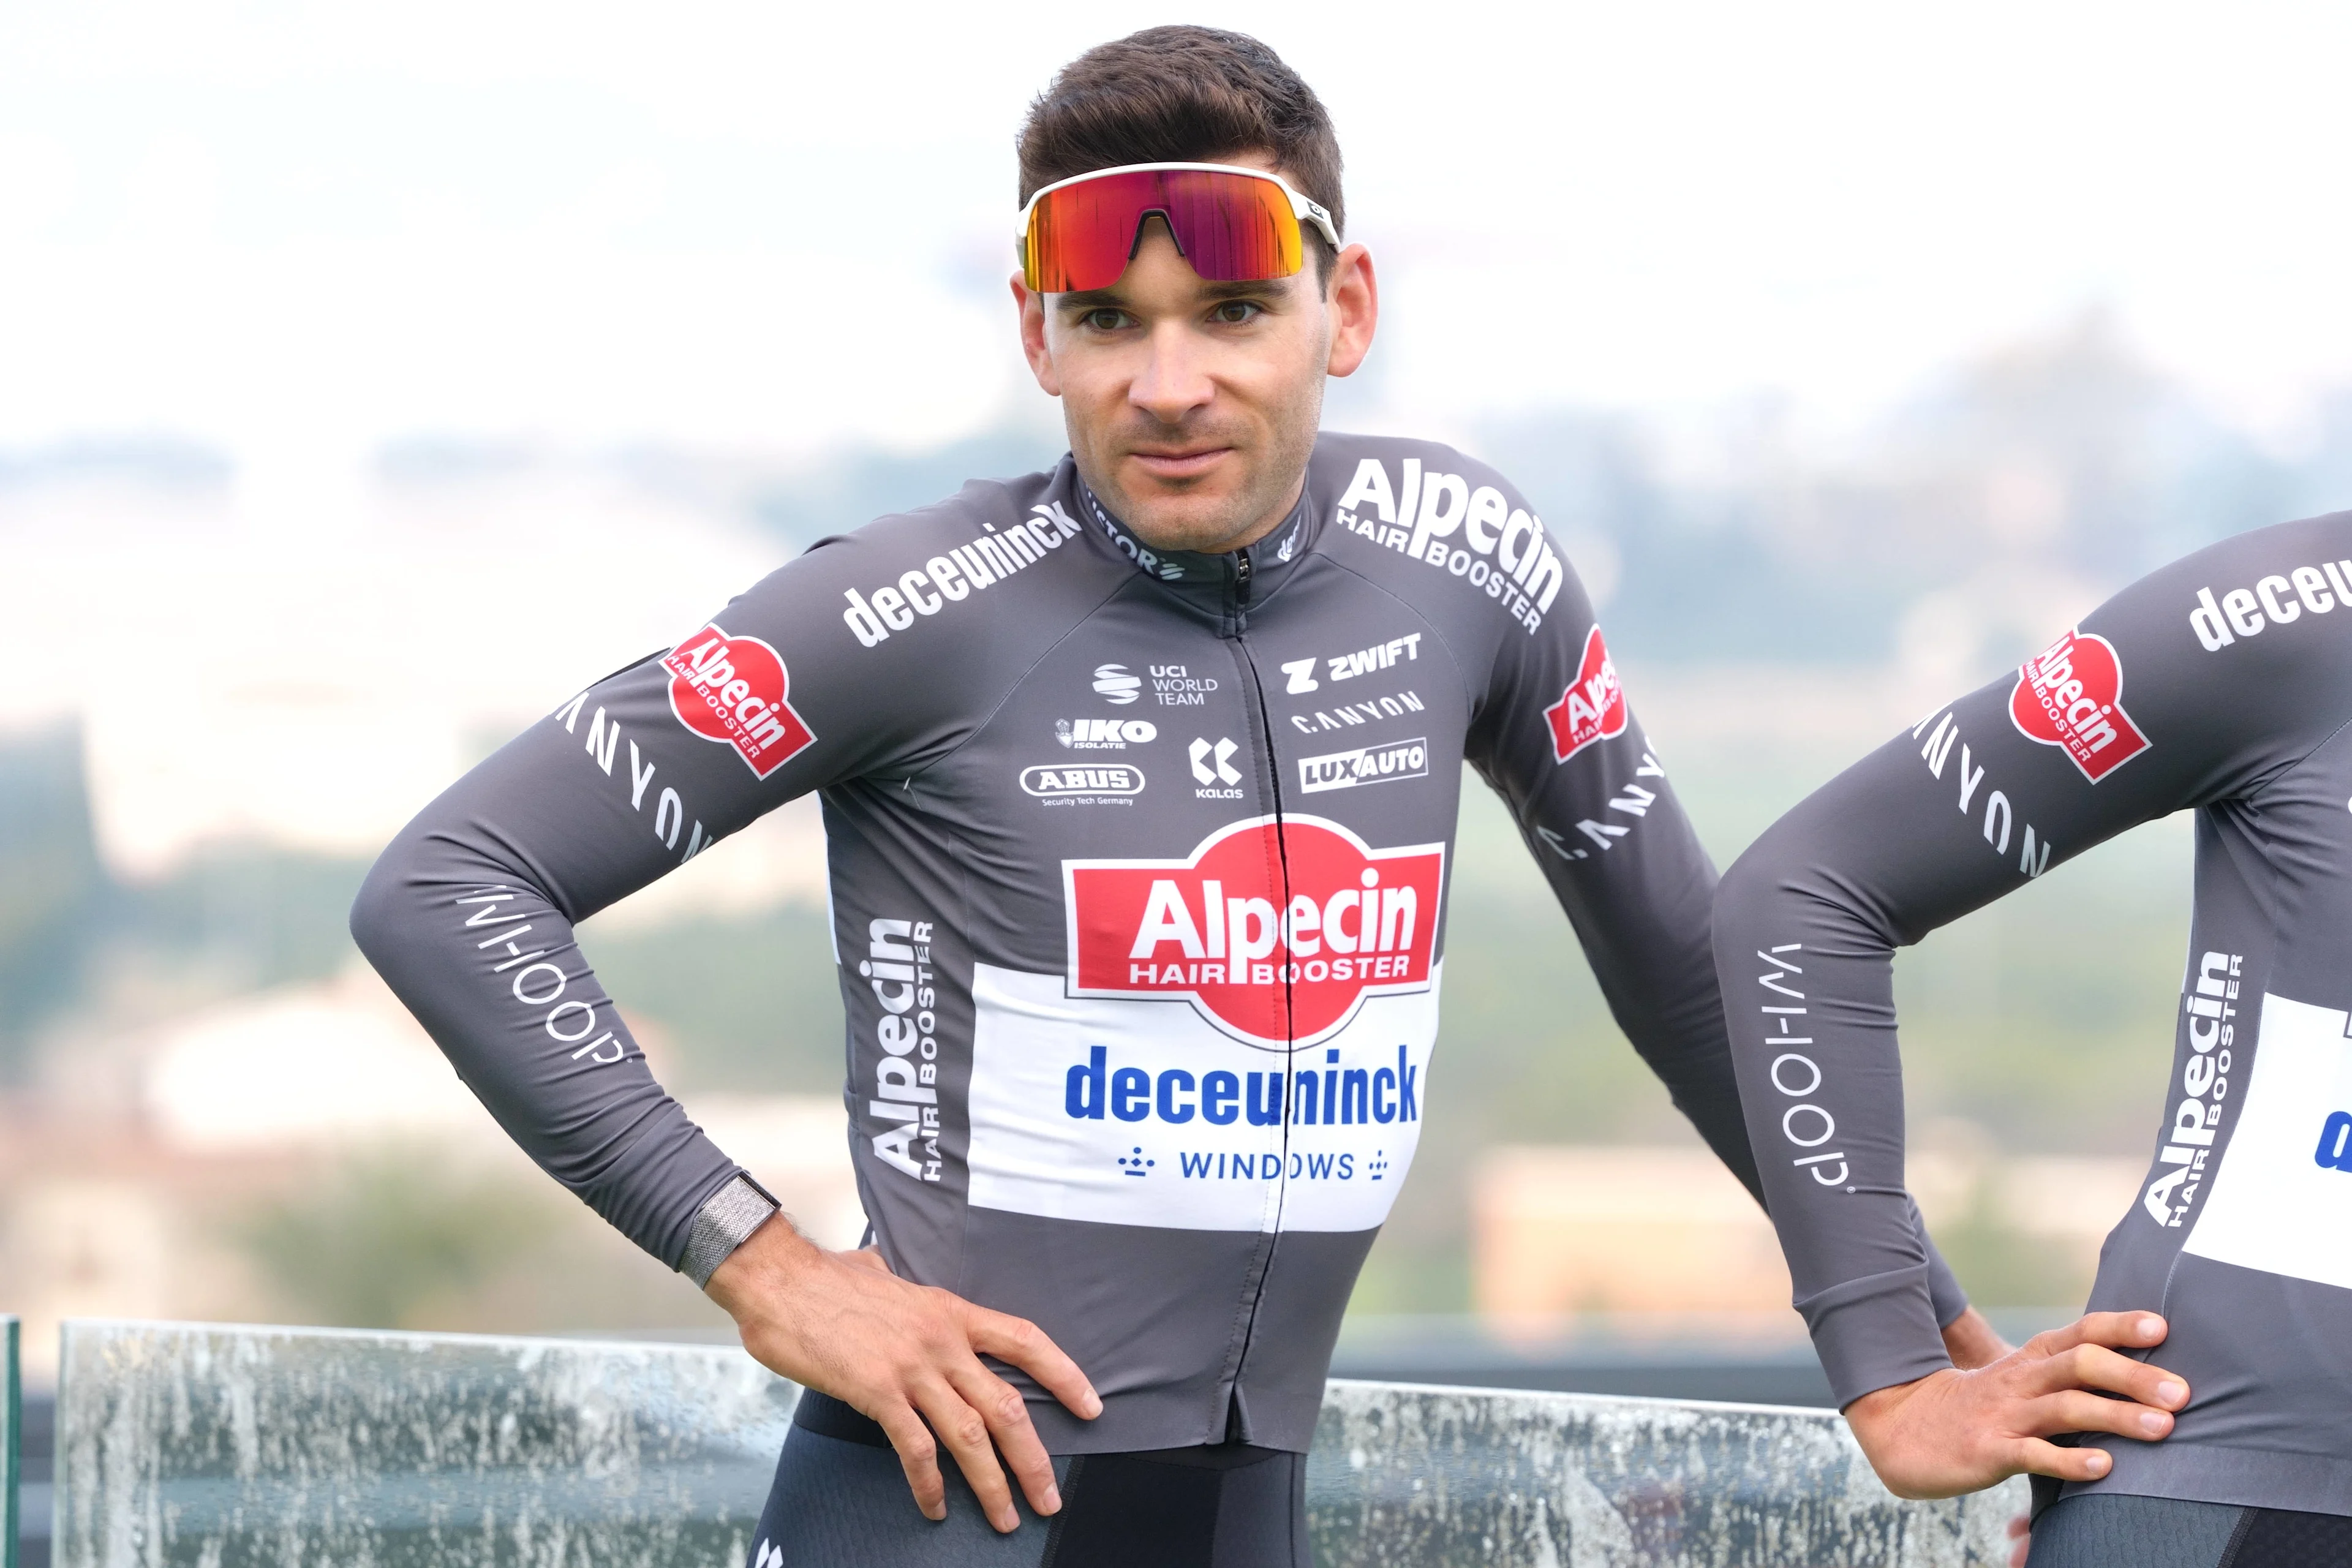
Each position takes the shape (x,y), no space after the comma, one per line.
(296,231)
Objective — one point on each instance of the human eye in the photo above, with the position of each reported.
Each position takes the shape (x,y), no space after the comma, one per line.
(1236,313)
(1104,318)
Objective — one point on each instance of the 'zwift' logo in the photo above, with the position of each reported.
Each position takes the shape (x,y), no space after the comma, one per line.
(1273,960)
(1593,706)
(2071,694)
(732,690)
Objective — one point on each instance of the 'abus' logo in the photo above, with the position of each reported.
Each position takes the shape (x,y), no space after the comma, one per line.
(1593,706)
(1115,685)
(732,690)
(2071,694)
(1055,783)
(1272,961)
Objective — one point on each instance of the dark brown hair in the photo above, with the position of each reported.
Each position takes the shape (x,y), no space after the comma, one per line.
(1184,94)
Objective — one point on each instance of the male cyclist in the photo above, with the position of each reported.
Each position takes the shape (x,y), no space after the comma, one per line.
(1139,780)
(2221,685)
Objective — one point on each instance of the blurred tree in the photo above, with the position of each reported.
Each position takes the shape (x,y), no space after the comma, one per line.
(254,914)
(395,1239)
(52,886)
(750,1004)
(853,490)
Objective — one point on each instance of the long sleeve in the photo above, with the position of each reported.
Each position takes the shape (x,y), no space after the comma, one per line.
(2126,718)
(469,914)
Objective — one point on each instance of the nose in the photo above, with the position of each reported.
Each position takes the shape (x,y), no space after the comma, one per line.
(1173,380)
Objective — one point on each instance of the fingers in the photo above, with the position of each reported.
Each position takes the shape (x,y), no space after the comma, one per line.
(2076,1410)
(964,1433)
(2020,1532)
(919,1456)
(2096,1366)
(2133,1330)
(2037,1457)
(1007,1414)
(1025,1345)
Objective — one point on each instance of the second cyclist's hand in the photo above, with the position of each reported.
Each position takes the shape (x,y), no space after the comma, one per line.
(1954,1431)
(907,1356)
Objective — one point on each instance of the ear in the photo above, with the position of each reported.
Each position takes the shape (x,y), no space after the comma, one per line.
(1031,309)
(1355,308)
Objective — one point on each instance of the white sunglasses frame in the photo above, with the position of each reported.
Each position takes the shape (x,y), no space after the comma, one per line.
(1301,208)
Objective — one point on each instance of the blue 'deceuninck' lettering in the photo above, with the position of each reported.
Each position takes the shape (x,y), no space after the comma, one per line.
(1331,1095)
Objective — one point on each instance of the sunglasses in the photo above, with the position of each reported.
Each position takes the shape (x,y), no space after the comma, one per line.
(1232,224)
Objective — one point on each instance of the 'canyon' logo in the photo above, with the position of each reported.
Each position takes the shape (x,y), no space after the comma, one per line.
(732,690)
(1271,961)
(1593,706)
(2071,694)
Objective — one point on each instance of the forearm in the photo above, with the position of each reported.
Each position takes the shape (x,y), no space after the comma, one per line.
(463,930)
(1807,983)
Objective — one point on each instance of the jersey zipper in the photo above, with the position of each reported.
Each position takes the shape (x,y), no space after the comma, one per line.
(1262,719)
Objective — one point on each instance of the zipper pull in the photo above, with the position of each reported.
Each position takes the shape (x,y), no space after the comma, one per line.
(1241,570)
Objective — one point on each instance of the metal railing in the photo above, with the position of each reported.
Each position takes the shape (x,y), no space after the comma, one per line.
(232,1448)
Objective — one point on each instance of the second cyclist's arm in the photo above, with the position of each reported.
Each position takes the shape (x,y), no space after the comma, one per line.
(2123,720)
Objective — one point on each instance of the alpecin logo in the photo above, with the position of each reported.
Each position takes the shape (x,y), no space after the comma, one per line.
(1593,706)
(2071,694)
(1270,963)
(732,690)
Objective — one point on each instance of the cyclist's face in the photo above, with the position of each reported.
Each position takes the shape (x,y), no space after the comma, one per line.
(1192,406)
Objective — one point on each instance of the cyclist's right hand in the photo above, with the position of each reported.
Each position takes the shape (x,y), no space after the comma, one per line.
(907,1356)
(1954,1431)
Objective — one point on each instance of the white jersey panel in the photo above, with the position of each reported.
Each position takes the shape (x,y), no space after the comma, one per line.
(1143,1114)
(2275,1206)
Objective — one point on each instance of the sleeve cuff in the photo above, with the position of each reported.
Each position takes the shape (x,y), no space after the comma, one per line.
(1943,1286)
(725,1222)
(1875,1332)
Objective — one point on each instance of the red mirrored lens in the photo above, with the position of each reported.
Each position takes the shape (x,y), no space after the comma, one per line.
(1231,228)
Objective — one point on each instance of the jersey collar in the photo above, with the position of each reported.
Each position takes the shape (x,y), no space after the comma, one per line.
(1193,574)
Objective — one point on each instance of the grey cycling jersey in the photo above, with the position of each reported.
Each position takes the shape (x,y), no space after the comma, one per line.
(1139,868)
(2220,684)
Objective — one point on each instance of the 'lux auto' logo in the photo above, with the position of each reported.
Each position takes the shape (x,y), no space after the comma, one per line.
(1274,931)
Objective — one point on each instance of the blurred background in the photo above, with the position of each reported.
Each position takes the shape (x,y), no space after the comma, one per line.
(373,378)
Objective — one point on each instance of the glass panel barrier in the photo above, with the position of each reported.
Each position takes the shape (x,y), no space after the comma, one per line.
(1409,1474)
(231,1447)
(12,1423)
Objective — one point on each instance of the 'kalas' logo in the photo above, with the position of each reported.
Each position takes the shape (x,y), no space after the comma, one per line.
(2071,694)
(1593,706)
(732,690)
(1274,934)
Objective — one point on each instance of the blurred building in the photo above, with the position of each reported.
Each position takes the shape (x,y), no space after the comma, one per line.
(1609,1229)
(134,1190)
(1616,1229)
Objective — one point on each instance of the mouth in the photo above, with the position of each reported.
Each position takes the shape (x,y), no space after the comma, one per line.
(1178,463)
